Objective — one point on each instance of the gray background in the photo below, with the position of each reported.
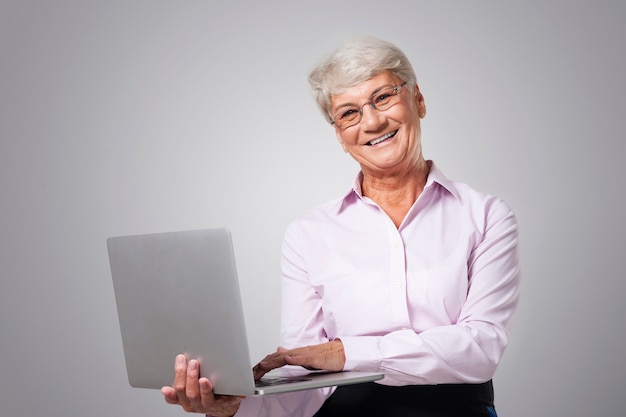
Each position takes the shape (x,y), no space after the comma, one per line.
(142,116)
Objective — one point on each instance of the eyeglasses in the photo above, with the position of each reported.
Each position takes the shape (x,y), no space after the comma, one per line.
(381,100)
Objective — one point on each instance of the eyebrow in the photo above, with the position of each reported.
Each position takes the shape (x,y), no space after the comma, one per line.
(376,91)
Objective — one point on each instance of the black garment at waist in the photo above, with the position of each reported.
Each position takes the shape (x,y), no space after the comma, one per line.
(445,400)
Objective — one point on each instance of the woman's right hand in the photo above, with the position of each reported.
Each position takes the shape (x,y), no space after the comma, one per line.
(195,394)
(328,356)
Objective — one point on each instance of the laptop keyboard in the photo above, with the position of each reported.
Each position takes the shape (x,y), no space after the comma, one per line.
(277,380)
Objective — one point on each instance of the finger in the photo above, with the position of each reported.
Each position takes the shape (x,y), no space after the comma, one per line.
(270,362)
(206,392)
(258,371)
(211,401)
(261,369)
(169,394)
(192,390)
(180,380)
(265,363)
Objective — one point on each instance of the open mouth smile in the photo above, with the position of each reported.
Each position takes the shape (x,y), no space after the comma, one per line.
(382,138)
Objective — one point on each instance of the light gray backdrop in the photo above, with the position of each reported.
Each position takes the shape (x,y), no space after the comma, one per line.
(120,117)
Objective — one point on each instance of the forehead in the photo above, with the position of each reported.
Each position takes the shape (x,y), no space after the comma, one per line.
(363,91)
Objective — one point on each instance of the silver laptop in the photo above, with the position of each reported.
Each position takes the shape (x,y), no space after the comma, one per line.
(178,292)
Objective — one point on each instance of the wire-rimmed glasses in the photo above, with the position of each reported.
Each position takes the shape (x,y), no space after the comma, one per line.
(381,100)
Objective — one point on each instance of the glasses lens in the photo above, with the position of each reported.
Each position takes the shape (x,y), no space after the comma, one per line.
(386,98)
(347,117)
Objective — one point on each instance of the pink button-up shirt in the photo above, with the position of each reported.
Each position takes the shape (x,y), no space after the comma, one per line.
(429,302)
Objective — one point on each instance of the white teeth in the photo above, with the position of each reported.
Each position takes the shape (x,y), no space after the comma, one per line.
(382,138)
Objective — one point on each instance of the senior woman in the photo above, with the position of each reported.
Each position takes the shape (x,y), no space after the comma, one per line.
(407,273)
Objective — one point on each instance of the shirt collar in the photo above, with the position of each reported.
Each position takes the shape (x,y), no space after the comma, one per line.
(435,178)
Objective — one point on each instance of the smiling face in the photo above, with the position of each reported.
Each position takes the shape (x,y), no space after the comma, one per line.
(385,143)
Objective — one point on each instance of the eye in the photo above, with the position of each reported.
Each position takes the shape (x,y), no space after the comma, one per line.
(349,114)
(382,98)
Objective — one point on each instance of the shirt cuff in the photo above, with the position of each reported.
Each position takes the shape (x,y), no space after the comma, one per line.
(361,353)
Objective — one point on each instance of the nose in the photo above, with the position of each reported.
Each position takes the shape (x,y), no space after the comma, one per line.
(370,117)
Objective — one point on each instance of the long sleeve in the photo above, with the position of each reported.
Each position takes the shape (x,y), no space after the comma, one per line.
(469,348)
(428,303)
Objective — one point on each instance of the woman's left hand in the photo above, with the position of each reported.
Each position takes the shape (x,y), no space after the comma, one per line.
(327,356)
(195,394)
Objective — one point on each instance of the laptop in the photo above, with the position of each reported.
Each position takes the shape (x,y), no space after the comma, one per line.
(178,292)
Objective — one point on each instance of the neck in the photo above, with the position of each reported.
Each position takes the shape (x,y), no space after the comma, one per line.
(400,189)
(395,194)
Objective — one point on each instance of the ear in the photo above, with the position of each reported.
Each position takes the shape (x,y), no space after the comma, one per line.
(419,101)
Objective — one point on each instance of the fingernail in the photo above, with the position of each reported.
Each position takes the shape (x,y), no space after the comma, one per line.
(180,360)
(193,364)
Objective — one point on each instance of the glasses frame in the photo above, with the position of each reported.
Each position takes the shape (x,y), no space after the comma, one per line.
(396,91)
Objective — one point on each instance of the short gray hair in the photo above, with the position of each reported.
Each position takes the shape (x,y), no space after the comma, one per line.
(354,62)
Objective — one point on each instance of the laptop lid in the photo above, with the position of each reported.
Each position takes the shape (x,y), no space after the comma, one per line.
(178,292)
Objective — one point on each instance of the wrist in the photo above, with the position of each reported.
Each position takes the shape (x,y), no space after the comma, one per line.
(210,415)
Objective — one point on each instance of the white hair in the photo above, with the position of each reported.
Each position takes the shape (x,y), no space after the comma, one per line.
(354,62)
